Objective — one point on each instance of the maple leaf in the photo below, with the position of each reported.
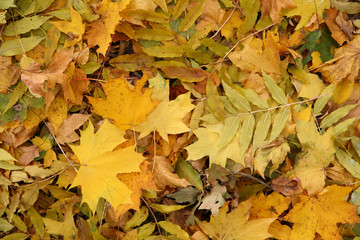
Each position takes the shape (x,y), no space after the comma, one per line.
(136,181)
(66,227)
(306,9)
(346,63)
(208,145)
(321,214)
(131,105)
(235,225)
(101,29)
(74,29)
(167,117)
(268,206)
(273,8)
(320,150)
(99,165)
(254,58)
(40,81)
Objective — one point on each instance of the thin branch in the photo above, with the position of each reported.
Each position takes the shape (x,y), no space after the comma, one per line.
(253,178)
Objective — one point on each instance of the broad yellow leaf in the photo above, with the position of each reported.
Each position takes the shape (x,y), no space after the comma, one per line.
(167,117)
(310,168)
(236,225)
(74,29)
(100,164)
(306,9)
(321,214)
(101,29)
(126,106)
(208,145)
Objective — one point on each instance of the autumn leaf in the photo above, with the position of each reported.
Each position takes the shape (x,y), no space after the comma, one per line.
(74,29)
(306,9)
(136,182)
(131,104)
(345,64)
(208,145)
(101,29)
(236,224)
(318,153)
(273,8)
(99,165)
(321,214)
(167,117)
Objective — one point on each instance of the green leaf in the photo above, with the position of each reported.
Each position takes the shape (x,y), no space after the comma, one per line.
(16,47)
(336,115)
(348,162)
(180,8)
(276,92)
(191,16)
(137,219)
(174,230)
(343,126)
(346,6)
(322,101)
(184,170)
(279,122)
(5,225)
(164,51)
(236,98)
(231,126)
(166,208)
(246,133)
(320,41)
(24,25)
(262,129)
(251,9)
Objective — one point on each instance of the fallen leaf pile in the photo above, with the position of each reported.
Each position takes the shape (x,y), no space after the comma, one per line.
(185,119)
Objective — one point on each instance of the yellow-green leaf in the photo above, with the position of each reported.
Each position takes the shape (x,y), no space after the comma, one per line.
(19,46)
(279,122)
(166,208)
(192,16)
(336,115)
(276,92)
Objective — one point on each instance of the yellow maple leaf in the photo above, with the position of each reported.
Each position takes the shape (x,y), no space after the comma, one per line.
(100,164)
(321,214)
(235,225)
(167,117)
(310,168)
(136,181)
(306,9)
(126,106)
(268,206)
(101,29)
(74,29)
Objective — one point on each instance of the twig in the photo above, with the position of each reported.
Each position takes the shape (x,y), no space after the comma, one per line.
(152,213)
(253,178)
